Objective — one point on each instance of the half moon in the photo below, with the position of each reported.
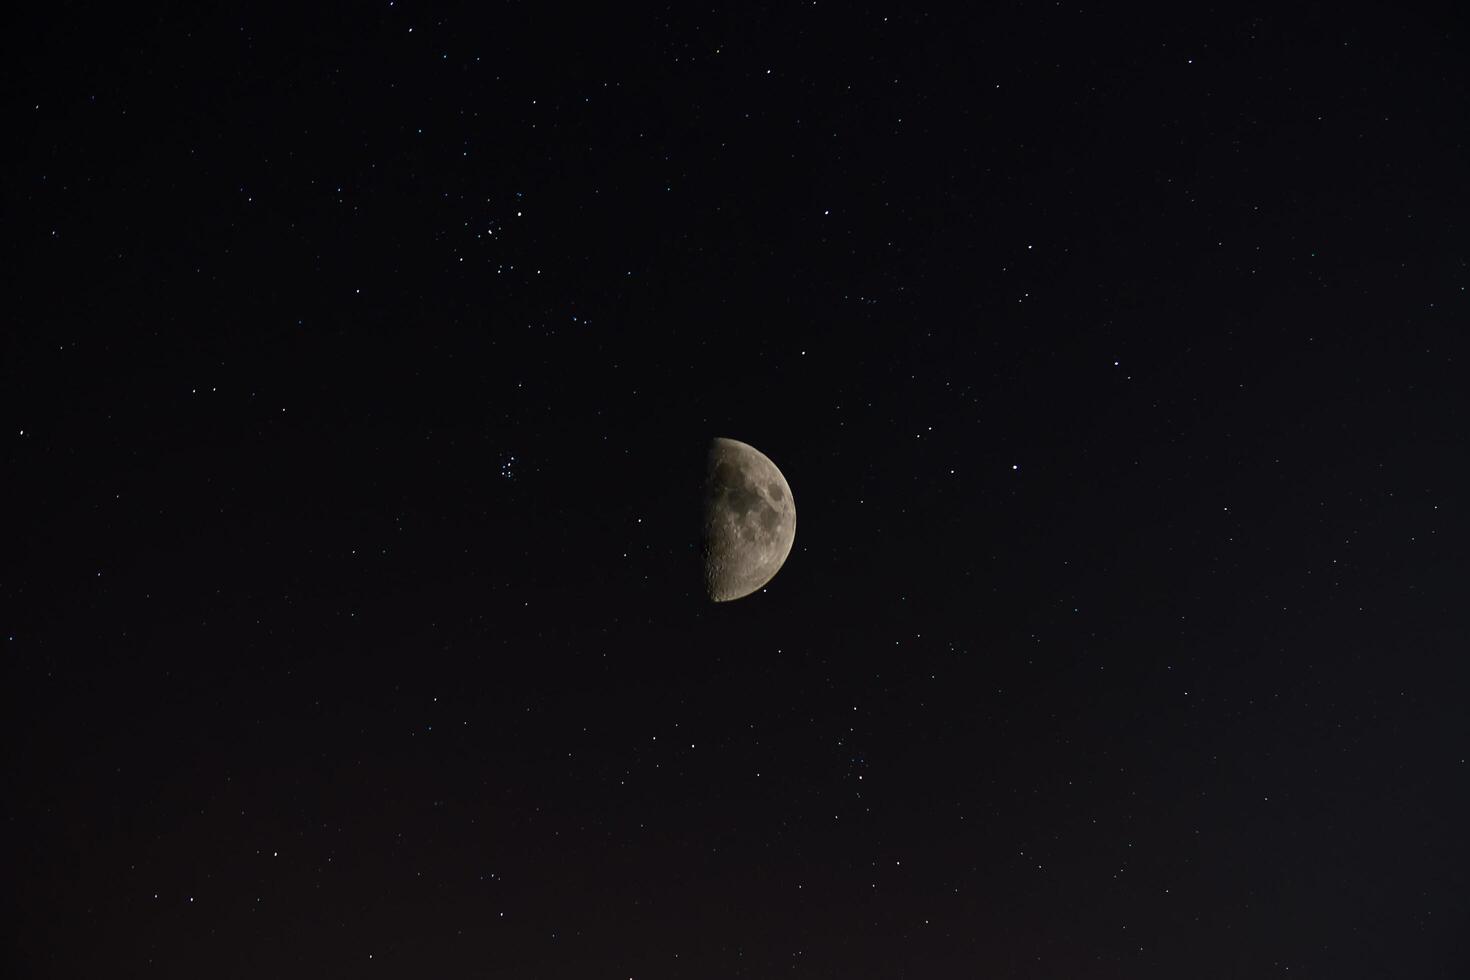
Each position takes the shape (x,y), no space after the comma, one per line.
(749,520)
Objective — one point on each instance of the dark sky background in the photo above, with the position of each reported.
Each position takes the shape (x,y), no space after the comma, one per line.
(357,382)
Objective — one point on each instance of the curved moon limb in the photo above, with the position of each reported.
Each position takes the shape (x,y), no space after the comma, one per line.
(749,520)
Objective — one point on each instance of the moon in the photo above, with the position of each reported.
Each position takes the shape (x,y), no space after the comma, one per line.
(749,520)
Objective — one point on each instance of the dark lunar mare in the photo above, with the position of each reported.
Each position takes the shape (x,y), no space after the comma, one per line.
(732,489)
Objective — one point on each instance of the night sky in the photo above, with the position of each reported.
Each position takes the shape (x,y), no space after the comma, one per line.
(357,380)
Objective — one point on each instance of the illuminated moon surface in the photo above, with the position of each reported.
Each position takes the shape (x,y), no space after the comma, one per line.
(749,520)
